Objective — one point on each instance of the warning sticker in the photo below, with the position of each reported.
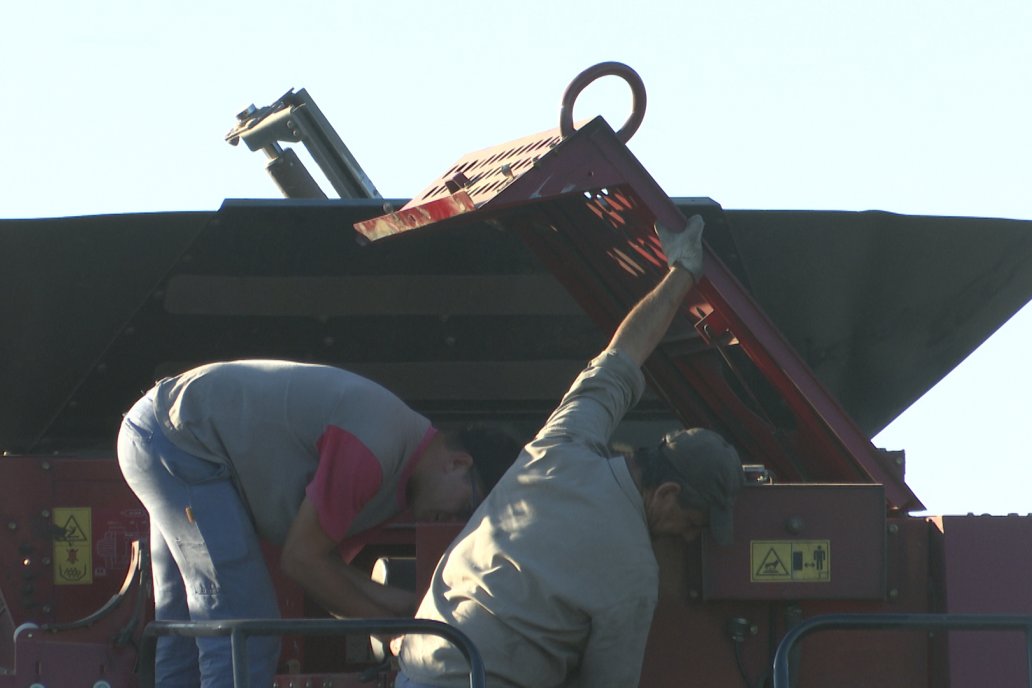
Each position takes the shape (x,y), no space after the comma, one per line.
(73,546)
(790,561)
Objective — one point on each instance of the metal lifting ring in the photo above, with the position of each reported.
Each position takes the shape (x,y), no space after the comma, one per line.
(581,81)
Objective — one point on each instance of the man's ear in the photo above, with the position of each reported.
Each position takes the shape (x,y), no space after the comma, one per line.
(667,492)
(459,459)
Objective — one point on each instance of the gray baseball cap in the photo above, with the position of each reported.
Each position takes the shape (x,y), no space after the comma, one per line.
(712,474)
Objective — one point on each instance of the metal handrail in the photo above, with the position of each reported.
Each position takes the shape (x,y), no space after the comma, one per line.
(239,630)
(138,575)
(851,622)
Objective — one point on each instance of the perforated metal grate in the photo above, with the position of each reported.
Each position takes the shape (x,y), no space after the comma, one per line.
(586,207)
(485,173)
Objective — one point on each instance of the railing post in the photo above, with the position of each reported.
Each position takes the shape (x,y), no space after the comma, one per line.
(849,622)
(148,653)
(240,630)
(238,645)
(1028,649)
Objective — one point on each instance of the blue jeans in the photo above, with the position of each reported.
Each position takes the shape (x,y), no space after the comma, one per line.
(403,681)
(206,560)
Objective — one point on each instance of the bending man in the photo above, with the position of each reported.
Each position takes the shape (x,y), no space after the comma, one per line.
(554,578)
(309,457)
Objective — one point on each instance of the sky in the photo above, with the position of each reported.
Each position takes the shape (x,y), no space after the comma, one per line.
(912,107)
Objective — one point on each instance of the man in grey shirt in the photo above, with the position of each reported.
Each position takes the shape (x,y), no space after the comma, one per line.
(554,578)
(310,458)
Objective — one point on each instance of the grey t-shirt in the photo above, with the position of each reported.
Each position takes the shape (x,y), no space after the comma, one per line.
(554,577)
(267,419)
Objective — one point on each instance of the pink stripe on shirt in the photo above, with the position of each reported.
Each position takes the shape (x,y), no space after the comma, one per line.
(347,478)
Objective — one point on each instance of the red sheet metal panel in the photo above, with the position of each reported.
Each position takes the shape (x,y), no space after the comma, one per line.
(87,660)
(986,567)
(690,641)
(887,659)
(801,542)
(68,526)
(98,651)
(587,207)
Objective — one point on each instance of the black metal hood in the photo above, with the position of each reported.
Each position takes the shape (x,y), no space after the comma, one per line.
(462,323)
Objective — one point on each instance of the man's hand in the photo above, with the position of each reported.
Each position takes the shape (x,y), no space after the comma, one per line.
(684,248)
(311,558)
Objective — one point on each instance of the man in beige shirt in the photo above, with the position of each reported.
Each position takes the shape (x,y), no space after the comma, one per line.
(554,577)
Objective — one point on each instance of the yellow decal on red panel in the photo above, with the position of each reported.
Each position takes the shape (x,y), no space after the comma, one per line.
(73,546)
(790,561)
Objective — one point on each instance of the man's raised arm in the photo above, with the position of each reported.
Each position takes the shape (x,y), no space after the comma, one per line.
(647,323)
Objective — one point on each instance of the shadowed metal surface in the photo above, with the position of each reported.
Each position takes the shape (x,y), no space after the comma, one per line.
(880,306)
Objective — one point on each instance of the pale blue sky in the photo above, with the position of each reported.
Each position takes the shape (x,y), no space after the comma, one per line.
(910,107)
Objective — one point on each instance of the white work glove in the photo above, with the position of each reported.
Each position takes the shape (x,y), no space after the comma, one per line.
(684,248)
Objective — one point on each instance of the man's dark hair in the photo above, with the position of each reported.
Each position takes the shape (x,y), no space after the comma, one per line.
(704,464)
(656,470)
(492,448)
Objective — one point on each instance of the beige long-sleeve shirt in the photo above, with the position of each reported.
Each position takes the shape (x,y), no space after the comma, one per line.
(554,577)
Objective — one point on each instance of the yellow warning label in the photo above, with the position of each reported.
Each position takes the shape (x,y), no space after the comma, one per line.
(73,546)
(790,561)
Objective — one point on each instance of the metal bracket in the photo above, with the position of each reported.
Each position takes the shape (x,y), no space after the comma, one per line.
(295,118)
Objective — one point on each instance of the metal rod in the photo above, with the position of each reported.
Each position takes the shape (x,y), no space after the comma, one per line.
(851,622)
(239,630)
(238,646)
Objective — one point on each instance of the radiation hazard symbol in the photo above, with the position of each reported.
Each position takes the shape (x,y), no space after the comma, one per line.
(73,546)
(790,561)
